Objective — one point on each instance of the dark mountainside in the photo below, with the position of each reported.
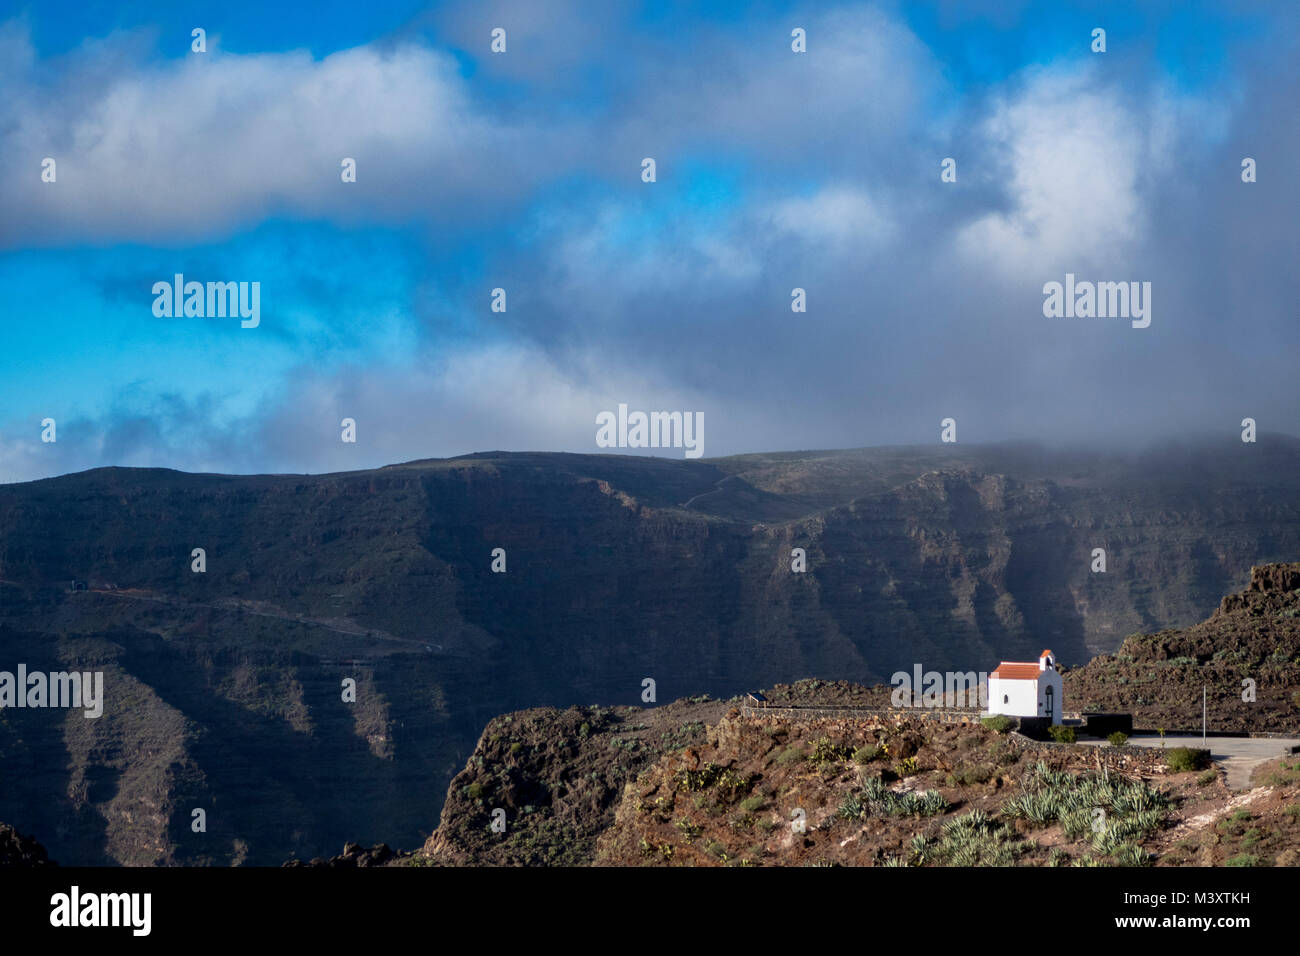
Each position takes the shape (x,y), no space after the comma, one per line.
(565,777)
(223,688)
(19,850)
(1158,678)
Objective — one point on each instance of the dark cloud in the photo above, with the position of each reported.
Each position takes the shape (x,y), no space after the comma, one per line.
(819,171)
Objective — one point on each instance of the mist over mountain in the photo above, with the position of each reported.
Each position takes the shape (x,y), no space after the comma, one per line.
(223,688)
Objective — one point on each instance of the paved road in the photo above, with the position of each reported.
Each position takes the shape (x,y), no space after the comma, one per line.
(1239,756)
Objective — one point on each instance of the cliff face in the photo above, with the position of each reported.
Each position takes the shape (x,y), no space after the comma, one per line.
(556,776)
(224,689)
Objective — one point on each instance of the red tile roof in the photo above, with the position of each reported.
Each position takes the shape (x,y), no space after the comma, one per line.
(1011,670)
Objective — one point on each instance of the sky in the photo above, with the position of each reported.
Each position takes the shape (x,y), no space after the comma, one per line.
(522,170)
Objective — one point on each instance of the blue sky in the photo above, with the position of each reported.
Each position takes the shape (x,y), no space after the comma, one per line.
(522,170)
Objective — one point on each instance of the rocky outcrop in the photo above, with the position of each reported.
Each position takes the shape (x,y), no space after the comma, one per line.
(1272,586)
(542,784)
(1245,657)
(19,850)
(355,856)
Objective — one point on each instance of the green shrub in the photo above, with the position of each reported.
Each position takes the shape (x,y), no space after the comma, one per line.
(791,754)
(1242,859)
(969,775)
(689,830)
(1207,778)
(1184,759)
(750,804)
(920,847)
(866,754)
(1003,754)
(1118,738)
(1000,723)
(734,783)
(1284,774)
(693,781)
(1062,734)
(824,751)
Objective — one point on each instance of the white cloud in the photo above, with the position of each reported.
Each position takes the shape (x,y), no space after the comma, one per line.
(1073,154)
(199,145)
(837,219)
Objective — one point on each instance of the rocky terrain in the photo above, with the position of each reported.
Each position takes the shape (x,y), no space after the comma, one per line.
(870,791)
(355,857)
(1248,648)
(224,688)
(722,790)
(19,850)
(889,790)
(558,775)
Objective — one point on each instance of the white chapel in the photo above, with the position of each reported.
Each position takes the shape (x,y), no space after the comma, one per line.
(1026,689)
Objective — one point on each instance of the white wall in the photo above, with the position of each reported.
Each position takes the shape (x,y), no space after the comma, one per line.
(1026,698)
(1021,697)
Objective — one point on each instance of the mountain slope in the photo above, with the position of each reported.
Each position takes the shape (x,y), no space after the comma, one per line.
(1245,656)
(225,688)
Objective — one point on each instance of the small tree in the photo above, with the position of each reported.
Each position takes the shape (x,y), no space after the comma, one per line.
(1118,738)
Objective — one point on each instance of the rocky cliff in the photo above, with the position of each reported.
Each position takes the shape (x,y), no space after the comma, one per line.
(1245,657)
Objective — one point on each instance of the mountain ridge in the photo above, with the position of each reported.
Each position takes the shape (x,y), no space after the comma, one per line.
(227,683)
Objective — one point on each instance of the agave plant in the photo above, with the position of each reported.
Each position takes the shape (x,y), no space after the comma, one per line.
(909,804)
(933,803)
(852,808)
(874,789)
(920,847)
(1130,854)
